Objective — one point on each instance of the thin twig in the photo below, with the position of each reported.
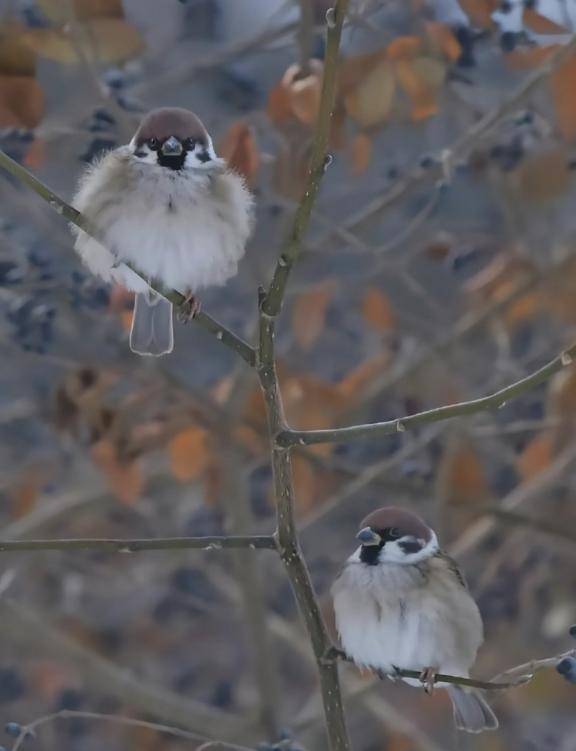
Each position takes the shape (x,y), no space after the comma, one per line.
(68,714)
(251,542)
(458,151)
(75,217)
(399,425)
(319,161)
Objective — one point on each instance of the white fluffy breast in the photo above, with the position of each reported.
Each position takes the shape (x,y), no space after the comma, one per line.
(185,228)
(411,617)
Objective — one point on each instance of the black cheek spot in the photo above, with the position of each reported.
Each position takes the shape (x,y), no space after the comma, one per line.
(139,153)
(410,547)
(203,156)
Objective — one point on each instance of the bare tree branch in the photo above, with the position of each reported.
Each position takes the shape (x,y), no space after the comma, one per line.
(492,401)
(270,306)
(252,542)
(68,714)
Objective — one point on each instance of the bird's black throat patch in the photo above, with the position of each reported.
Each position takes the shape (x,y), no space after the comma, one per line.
(172,161)
(369,554)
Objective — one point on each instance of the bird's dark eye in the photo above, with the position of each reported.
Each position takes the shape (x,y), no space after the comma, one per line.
(189,144)
(153,143)
(394,533)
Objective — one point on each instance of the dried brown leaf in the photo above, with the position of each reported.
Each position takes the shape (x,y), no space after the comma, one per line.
(536,456)
(309,313)
(360,153)
(377,310)
(370,102)
(564,96)
(239,149)
(21,102)
(124,478)
(106,40)
(189,453)
(59,11)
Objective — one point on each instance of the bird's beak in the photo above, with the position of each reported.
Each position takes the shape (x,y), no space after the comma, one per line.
(171,147)
(367,536)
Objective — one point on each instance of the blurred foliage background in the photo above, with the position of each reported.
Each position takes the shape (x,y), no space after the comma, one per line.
(430,275)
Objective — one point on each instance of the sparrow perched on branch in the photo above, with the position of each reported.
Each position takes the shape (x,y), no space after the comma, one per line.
(164,206)
(400,603)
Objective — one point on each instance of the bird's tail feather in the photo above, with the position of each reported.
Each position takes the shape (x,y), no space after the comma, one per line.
(472,712)
(152,331)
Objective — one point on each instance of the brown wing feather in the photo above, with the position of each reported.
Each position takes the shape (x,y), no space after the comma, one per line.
(453,567)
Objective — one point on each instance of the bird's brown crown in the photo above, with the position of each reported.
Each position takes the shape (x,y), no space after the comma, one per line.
(392,517)
(170,121)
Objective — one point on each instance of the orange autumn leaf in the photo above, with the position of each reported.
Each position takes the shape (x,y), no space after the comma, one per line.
(479,11)
(21,102)
(36,154)
(16,59)
(124,478)
(442,37)
(544,176)
(239,149)
(533,57)
(352,385)
(536,456)
(189,453)
(462,475)
(278,107)
(377,310)
(24,496)
(309,313)
(525,308)
(360,153)
(540,24)
(564,96)
(403,48)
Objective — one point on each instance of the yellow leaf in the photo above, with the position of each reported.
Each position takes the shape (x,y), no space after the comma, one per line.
(21,102)
(564,96)
(189,453)
(309,313)
(239,149)
(106,40)
(377,310)
(360,153)
(124,477)
(59,11)
(370,102)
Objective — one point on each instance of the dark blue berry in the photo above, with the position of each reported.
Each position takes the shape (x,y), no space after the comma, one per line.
(12,686)
(13,729)
(567,668)
(572,631)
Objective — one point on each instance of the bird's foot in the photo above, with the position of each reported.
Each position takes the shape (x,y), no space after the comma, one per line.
(428,678)
(189,308)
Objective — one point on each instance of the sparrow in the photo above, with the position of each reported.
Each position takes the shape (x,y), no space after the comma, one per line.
(168,208)
(401,603)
